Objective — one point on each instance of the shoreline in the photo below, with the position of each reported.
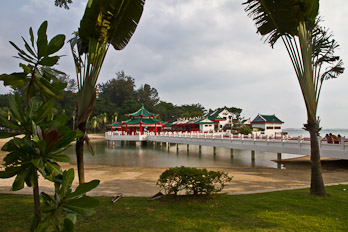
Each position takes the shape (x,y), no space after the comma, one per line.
(141,182)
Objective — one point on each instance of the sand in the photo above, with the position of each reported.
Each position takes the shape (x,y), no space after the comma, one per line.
(138,181)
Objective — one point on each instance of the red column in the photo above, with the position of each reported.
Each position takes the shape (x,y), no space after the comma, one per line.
(141,129)
(127,129)
(155,129)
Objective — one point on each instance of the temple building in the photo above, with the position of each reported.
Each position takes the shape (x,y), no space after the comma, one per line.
(222,118)
(139,122)
(193,125)
(267,125)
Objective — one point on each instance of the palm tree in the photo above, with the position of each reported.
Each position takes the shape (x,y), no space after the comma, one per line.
(311,50)
(105,23)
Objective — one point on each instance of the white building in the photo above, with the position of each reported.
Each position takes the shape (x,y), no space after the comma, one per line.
(268,125)
(223,119)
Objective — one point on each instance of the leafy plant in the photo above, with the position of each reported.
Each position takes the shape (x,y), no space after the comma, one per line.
(68,203)
(44,137)
(192,180)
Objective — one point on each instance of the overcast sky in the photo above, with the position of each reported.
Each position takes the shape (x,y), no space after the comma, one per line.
(196,51)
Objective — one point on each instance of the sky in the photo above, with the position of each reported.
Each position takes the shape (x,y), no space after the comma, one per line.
(195,51)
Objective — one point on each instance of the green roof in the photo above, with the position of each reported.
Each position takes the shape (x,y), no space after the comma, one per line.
(134,121)
(214,115)
(262,118)
(142,112)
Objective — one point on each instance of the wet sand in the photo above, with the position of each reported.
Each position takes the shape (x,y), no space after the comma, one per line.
(138,181)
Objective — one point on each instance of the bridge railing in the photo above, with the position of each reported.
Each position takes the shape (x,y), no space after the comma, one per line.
(222,135)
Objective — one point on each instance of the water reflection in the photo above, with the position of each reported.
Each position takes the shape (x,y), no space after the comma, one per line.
(116,154)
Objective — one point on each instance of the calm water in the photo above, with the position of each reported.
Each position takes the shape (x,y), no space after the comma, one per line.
(152,157)
(323,132)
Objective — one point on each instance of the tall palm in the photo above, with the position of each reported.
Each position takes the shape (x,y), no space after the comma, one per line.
(105,23)
(311,50)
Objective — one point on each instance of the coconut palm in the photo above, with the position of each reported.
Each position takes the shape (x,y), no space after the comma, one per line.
(311,50)
(105,23)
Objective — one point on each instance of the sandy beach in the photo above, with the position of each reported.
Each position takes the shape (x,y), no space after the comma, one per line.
(137,181)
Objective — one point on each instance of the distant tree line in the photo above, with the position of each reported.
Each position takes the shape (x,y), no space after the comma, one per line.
(117,97)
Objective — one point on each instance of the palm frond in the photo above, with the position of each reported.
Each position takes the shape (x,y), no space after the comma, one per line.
(277,18)
(112,21)
(63,3)
(105,22)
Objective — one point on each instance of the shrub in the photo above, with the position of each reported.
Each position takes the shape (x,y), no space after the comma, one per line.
(192,180)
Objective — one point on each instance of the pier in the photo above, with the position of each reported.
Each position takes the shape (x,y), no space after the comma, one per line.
(277,145)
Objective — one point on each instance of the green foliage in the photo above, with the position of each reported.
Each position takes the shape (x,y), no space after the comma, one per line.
(61,210)
(38,77)
(110,21)
(192,180)
(282,17)
(245,130)
(105,22)
(45,137)
(147,95)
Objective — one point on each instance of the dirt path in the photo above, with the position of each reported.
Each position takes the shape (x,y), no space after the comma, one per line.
(137,181)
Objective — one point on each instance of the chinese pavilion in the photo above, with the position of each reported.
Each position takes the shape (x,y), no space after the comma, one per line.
(142,121)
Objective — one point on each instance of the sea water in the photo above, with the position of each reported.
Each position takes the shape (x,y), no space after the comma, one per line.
(295,132)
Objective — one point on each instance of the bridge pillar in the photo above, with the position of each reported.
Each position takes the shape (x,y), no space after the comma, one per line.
(177,147)
(252,158)
(232,151)
(200,149)
(214,151)
(188,148)
(279,158)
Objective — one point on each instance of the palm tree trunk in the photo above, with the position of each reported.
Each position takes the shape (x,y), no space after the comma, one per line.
(317,182)
(79,154)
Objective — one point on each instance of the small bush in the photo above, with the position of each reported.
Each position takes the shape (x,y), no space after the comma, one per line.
(192,180)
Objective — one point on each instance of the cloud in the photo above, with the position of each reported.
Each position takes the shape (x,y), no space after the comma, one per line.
(196,51)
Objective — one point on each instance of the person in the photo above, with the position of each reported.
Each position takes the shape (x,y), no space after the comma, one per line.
(338,141)
(329,138)
(335,139)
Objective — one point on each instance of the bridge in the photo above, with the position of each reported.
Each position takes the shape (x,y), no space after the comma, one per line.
(284,144)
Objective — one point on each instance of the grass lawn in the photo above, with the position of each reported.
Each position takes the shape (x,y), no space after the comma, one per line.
(293,210)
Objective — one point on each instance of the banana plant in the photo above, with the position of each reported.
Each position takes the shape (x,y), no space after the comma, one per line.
(105,23)
(311,50)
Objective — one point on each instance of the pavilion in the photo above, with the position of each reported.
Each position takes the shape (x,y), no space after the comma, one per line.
(142,121)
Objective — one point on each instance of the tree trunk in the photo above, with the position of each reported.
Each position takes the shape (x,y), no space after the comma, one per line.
(79,154)
(317,182)
(37,212)
(82,119)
